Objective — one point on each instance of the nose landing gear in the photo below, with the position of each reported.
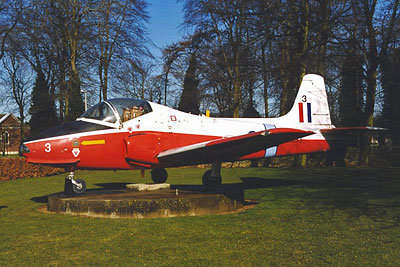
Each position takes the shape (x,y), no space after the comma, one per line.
(74,186)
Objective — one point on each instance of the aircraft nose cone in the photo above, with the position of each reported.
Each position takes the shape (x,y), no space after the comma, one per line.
(23,149)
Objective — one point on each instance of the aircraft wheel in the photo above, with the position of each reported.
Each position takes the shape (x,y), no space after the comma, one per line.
(79,187)
(159,176)
(209,180)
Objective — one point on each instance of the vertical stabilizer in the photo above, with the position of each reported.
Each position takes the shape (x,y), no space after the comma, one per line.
(311,107)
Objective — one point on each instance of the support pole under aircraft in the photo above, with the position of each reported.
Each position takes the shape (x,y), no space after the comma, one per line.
(213,177)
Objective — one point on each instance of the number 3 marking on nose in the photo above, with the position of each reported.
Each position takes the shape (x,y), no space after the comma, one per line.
(47,147)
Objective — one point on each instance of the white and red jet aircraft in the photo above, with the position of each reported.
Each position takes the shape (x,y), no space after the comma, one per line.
(127,133)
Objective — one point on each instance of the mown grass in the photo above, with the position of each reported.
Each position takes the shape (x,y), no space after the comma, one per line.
(329,216)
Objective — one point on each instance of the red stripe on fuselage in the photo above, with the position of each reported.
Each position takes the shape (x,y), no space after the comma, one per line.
(142,152)
(295,147)
(301,146)
(301,113)
(113,153)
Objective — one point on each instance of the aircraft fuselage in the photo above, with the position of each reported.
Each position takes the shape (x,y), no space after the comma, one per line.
(135,143)
(127,133)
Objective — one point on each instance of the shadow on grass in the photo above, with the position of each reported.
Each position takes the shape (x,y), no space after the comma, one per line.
(346,192)
(350,192)
(236,190)
(104,187)
(42,199)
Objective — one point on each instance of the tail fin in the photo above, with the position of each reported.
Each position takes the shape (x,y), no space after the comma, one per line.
(311,107)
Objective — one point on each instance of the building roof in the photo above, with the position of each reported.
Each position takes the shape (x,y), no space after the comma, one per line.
(4,117)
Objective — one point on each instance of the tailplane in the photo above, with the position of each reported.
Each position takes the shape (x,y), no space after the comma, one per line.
(311,107)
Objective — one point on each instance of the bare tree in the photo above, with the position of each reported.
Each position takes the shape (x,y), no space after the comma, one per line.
(375,21)
(227,21)
(16,84)
(120,32)
(10,14)
(135,81)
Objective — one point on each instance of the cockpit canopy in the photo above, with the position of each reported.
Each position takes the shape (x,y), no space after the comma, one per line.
(127,109)
(101,112)
(102,116)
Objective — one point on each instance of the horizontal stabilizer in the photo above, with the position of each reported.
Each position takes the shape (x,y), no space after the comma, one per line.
(230,148)
(342,131)
(354,129)
(349,135)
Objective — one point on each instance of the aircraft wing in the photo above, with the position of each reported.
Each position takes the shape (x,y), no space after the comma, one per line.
(230,148)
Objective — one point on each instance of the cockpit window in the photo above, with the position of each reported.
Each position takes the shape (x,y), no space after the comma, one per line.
(101,112)
(130,108)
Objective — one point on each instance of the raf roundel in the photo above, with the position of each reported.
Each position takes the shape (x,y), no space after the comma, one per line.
(75,143)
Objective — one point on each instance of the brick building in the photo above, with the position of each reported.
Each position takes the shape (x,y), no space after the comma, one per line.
(10,134)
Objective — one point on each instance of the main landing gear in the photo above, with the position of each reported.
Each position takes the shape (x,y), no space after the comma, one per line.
(74,186)
(159,176)
(213,177)
(210,178)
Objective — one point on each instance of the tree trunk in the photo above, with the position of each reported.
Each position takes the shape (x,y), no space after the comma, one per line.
(237,95)
(371,80)
(265,81)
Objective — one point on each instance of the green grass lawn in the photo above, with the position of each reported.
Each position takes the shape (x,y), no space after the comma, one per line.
(330,216)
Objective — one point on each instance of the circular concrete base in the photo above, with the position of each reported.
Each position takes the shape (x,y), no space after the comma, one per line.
(145,204)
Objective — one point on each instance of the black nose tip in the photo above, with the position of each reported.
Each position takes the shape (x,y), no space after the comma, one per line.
(23,149)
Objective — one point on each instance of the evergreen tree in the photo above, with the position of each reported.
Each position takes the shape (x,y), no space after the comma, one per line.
(391,89)
(76,105)
(351,91)
(350,103)
(42,110)
(189,101)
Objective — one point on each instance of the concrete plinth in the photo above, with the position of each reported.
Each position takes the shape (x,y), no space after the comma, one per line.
(145,204)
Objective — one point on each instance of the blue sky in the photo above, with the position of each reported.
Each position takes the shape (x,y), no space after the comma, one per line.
(165,19)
